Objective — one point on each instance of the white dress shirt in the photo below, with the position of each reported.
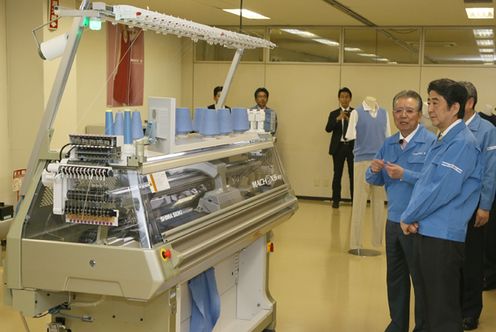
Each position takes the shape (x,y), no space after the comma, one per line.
(351,132)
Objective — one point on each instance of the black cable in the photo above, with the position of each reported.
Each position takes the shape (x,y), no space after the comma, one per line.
(241,16)
(62,149)
(60,155)
(68,153)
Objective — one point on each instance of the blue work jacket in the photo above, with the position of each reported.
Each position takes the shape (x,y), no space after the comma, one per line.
(447,192)
(412,160)
(485,134)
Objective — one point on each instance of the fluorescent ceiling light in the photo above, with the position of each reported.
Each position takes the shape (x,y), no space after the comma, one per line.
(326,41)
(367,55)
(382,59)
(247,14)
(300,33)
(486,50)
(483,33)
(480,13)
(484,42)
(487,56)
(352,49)
(392,63)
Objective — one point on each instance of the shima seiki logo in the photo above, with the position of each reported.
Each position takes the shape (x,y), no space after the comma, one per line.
(268,180)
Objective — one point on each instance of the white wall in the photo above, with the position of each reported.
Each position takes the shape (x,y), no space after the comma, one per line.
(163,64)
(25,97)
(248,77)
(304,94)
(5,169)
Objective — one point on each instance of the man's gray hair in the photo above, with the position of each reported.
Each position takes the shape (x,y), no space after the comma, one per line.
(408,94)
(471,90)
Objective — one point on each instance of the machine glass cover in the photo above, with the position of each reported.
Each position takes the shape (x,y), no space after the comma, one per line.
(120,207)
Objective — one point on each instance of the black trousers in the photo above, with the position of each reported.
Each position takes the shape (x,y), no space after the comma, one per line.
(343,153)
(440,262)
(472,275)
(400,266)
(490,249)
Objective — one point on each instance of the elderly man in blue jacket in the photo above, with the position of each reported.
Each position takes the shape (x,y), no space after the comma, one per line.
(472,277)
(443,200)
(397,166)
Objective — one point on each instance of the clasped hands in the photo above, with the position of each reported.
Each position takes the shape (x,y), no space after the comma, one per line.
(342,116)
(409,228)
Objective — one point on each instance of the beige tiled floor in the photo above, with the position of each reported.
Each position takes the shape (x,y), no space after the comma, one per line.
(317,285)
(11,321)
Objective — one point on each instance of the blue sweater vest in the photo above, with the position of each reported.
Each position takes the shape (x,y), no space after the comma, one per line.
(371,133)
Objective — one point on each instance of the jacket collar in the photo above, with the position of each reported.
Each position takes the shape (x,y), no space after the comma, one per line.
(475,123)
(453,132)
(418,138)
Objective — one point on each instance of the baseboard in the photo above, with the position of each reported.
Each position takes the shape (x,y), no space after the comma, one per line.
(317,198)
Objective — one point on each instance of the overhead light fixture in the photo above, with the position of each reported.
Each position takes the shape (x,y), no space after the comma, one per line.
(300,33)
(392,63)
(483,33)
(487,57)
(369,55)
(486,50)
(247,14)
(352,49)
(485,42)
(95,23)
(382,59)
(326,41)
(480,13)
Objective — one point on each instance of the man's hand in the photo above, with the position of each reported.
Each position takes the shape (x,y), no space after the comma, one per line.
(409,228)
(342,116)
(394,171)
(481,218)
(376,165)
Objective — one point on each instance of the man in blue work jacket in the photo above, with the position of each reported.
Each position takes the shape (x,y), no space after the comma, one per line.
(472,276)
(443,200)
(397,166)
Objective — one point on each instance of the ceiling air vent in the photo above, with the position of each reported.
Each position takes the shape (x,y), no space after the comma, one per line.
(447,44)
(478,1)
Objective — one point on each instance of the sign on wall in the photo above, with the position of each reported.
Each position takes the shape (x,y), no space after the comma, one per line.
(52,16)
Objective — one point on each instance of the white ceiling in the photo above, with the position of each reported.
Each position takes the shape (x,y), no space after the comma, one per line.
(318,12)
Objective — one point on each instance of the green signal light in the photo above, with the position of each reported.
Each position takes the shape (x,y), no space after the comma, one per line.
(86,22)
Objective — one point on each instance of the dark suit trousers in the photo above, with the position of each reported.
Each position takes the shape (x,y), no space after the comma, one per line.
(343,153)
(440,262)
(490,249)
(472,276)
(400,266)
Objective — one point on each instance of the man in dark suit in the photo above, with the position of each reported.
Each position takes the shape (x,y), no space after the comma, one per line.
(217,92)
(340,148)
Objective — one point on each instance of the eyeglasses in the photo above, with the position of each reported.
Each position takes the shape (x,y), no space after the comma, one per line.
(408,111)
